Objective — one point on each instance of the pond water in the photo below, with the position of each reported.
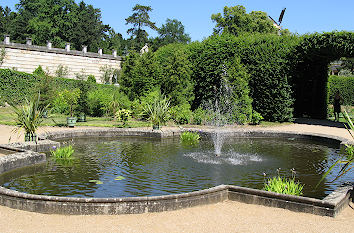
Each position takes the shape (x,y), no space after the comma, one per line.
(135,166)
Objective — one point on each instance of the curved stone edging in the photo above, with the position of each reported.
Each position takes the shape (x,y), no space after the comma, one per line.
(330,206)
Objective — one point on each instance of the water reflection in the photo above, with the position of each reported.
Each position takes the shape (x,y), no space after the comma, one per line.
(164,166)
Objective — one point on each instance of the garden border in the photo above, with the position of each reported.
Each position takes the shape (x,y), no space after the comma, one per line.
(329,206)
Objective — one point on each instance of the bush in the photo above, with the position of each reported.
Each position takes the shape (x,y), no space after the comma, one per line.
(345,86)
(39,71)
(91,79)
(106,102)
(181,114)
(198,116)
(16,86)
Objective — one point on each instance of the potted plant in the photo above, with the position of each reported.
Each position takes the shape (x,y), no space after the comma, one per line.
(158,111)
(71,98)
(29,117)
(81,117)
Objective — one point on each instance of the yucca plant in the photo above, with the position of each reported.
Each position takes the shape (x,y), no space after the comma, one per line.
(158,111)
(29,117)
(347,158)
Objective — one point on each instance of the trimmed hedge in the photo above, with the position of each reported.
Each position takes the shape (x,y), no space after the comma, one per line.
(345,86)
(267,61)
(16,86)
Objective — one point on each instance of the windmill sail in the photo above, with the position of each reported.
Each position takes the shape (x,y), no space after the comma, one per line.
(281,16)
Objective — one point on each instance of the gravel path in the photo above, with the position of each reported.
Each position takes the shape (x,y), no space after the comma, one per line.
(227,216)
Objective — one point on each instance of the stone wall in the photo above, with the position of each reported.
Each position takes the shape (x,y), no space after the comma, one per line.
(27,57)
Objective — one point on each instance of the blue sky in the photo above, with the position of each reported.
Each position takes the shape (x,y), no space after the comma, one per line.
(301,16)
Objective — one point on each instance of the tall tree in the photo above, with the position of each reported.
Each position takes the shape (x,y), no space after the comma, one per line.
(88,28)
(139,20)
(235,20)
(171,32)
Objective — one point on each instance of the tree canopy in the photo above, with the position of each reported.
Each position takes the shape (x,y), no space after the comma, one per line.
(139,20)
(235,20)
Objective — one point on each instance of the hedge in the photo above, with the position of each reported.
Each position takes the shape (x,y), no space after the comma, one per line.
(16,86)
(266,59)
(345,86)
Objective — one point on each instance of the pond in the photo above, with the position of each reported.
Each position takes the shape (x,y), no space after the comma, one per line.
(137,166)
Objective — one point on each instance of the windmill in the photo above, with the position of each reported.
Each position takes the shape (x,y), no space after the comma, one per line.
(277,24)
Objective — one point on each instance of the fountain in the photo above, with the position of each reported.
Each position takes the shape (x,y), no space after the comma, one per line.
(220,111)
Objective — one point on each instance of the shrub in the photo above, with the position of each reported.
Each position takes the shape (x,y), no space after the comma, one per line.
(158,110)
(181,114)
(345,86)
(91,79)
(256,118)
(198,116)
(29,115)
(16,86)
(123,115)
(39,71)
(104,101)
(70,97)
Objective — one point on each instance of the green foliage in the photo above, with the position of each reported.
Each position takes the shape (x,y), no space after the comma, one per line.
(348,157)
(65,152)
(2,55)
(312,56)
(235,20)
(158,110)
(105,101)
(181,114)
(256,118)
(39,71)
(345,86)
(189,138)
(29,115)
(62,71)
(174,70)
(140,19)
(284,186)
(107,74)
(171,32)
(139,74)
(198,116)
(123,115)
(91,79)
(71,98)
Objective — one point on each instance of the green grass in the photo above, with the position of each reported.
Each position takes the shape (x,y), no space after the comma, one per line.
(7,117)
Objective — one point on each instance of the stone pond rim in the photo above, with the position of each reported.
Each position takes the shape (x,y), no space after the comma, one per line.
(24,155)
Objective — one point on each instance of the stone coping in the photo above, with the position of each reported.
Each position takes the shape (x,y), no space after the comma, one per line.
(329,206)
(59,51)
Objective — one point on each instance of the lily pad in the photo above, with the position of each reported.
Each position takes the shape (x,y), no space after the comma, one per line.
(119,178)
(96,181)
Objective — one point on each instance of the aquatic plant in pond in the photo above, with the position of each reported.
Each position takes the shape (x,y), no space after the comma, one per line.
(284,185)
(65,152)
(153,166)
(190,138)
